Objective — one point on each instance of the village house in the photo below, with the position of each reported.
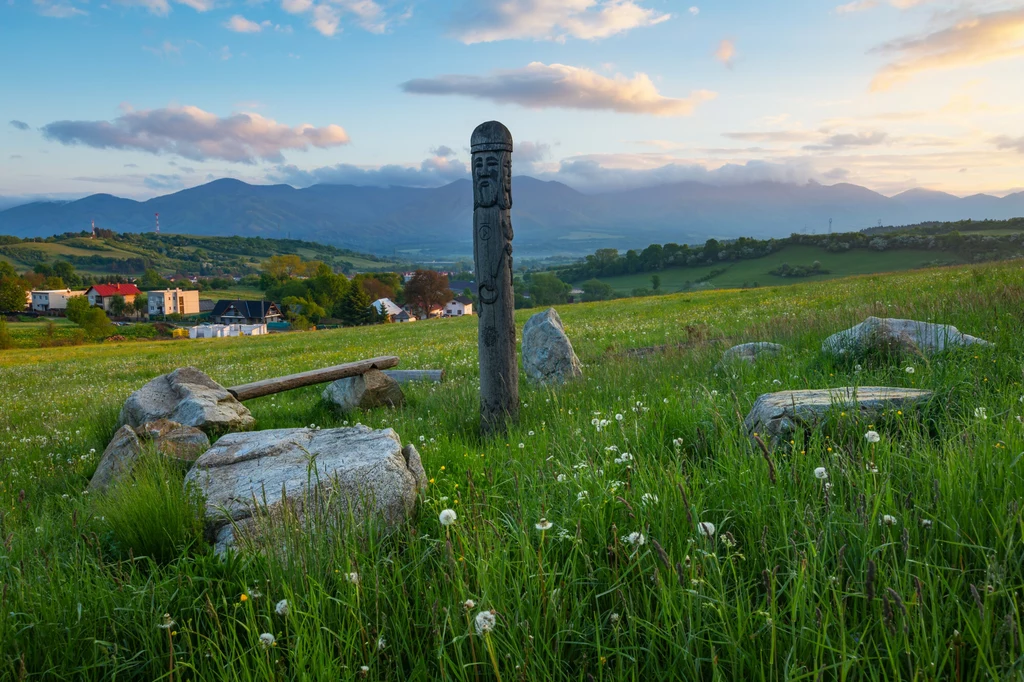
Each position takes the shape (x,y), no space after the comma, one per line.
(173,302)
(102,295)
(458,306)
(435,311)
(52,301)
(403,316)
(245,312)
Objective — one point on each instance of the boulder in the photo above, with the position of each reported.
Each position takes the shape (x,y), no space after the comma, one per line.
(186,396)
(248,477)
(183,443)
(752,352)
(778,416)
(548,356)
(889,334)
(364,391)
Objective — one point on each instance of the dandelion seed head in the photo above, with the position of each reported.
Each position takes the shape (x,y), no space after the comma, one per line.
(447,517)
(282,608)
(267,640)
(872,437)
(484,622)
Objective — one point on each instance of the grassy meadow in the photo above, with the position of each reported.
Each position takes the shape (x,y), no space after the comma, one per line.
(746,272)
(906,563)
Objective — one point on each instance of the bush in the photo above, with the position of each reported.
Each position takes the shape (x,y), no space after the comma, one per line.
(152,513)
(6,342)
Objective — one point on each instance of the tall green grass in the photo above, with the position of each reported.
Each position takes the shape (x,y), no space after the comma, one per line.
(802,579)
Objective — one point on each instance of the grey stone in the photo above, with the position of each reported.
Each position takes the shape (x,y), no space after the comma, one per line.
(249,477)
(752,352)
(777,416)
(548,356)
(893,334)
(117,460)
(189,397)
(364,391)
(179,442)
(174,440)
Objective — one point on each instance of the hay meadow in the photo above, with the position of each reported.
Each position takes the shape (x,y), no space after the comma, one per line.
(906,562)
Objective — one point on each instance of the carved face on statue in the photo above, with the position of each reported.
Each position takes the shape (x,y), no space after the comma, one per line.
(492,179)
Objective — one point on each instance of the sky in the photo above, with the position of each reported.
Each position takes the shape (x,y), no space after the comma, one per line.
(144,97)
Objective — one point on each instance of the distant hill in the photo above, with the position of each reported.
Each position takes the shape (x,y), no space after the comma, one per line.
(548,217)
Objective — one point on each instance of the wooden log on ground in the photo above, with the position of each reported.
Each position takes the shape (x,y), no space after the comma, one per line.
(258,389)
(404,376)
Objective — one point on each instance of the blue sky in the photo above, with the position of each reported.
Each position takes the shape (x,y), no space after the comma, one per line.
(143,97)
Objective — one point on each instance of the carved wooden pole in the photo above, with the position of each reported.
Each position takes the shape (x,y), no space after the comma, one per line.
(491,147)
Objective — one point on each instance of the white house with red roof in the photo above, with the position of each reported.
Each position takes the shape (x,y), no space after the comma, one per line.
(101,295)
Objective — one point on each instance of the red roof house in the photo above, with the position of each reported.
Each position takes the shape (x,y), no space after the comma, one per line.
(102,294)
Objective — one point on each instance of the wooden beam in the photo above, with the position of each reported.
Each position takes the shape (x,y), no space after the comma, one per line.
(404,376)
(258,389)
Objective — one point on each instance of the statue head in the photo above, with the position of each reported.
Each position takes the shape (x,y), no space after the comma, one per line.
(491,147)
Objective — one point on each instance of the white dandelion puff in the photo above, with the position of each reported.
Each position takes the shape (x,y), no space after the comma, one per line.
(267,640)
(909,370)
(707,529)
(821,474)
(872,437)
(542,525)
(636,539)
(887,520)
(282,608)
(484,622)
(447,517)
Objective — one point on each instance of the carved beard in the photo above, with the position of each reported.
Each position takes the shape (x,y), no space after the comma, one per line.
(492,180)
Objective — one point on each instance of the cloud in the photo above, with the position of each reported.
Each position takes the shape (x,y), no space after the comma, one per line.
(432,172)
(694,10)
(773,136)
(484,21)
(20,125)
(15,157)
(240,24)
(619,172)
(539,86)
(726,52)
(165,50)
(326,16)
(57,9)
(856,6)
(1007,142)
(845,140)
(195,134)
(163,7)
(836,174)
(977,40)
(443,151)
(163,182)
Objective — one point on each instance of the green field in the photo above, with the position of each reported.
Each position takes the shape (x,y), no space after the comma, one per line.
(234,293)
(799,581)
(746,272)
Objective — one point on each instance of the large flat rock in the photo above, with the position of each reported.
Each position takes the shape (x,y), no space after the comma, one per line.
(777,416)
(364,391)
(752,352)
(894,334)
(246,476)
(186,396)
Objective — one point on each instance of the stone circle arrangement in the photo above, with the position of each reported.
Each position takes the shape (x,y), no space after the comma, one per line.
(367,475)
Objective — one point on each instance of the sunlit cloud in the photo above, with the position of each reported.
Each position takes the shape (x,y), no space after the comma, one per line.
(326,16)
(491,20)
(978,40)
(195,134)
(726,52)
(539,86)
(240,24)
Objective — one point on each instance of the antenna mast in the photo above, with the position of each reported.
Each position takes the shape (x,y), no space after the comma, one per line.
(93,229)
(157,223)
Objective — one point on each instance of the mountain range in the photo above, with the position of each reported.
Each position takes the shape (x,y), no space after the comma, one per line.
(548,217)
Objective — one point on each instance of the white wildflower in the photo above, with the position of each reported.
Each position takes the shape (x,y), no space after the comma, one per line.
(649,498)
(167,623)
(484,622)
(614,618)
(887,520)
(582,495)
(447,517)
(282,608)
(634,538)
(543,524)
(926,524)
(468,604)
(619,417)
(352,578)
(821,474)
(560,478)
(872,437)
(267,640)
(909,370)
(980,413)
(381,643)
(706,528)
